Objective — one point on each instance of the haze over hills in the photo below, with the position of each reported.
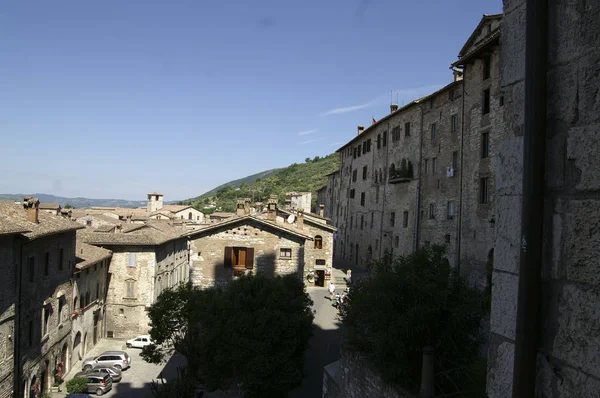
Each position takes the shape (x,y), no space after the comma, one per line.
(77,203)
(303,177)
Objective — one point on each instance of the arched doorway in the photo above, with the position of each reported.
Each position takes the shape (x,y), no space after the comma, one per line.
(33,387)
(64,358)
(44,385)
(77,347)
(84,346)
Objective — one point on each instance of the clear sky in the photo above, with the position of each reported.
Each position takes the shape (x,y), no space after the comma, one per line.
(117,98)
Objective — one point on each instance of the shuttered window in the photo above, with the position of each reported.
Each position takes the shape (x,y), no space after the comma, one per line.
(239,257)
(131,260)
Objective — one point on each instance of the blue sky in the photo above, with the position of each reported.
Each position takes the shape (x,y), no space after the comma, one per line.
(114,99)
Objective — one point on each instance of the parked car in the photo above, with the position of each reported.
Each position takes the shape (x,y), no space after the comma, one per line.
(116,359)
(99,383)
(114,373)
(139,342)
(83,374)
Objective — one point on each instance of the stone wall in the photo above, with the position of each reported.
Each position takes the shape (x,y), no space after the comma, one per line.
(354,377)
(569,349)
(208,250)
(7,314)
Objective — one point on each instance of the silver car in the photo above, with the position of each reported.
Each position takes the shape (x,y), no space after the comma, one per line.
(114,373)
(98,382)
(116,359)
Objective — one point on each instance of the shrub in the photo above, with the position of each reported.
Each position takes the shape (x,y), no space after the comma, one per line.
(412,302)
(77,385)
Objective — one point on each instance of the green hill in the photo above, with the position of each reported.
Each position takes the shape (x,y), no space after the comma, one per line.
(304,177)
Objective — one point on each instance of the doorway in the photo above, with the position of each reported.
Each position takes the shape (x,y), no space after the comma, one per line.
(320,279)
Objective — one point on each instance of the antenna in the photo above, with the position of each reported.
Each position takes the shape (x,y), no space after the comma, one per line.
(391,97)
(397,94)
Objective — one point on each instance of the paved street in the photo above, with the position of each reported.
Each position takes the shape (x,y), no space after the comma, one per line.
(136,380)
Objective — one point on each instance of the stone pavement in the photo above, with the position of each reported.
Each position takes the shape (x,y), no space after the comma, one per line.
(137,379)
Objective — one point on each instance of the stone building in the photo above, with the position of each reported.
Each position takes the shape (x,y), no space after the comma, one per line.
(43,294)
(52,208)
(146,259)
(568,332)
(10,244)
(90,283)
(157,210)
(298,201)
(423,173)
(277,242)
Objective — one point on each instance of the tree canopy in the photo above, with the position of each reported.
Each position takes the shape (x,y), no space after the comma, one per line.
(409,303)
(253,332)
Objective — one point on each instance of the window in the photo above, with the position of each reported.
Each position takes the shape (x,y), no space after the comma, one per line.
(46,319)
(365,173)
(501,100)
(61,259)
(318,242)
(354,174)
(354,151)
(453,123)
(434,165)
(426,166)
(88,223)
(369,145)
(384,138)
(485,145)
(362,222)
(426,243)
(364,147)
(447,238)
(483,190)
(362,199)
(378,141)
(407,129)
(352,193)
(372,217)
(486,67)
(486,102)
(109,334)
(405,219)
(190,215)
(132,260)
(285,252)
(392,219)
(396,241)
(351,221)
(396,134)
(450,210)
(431,104)
(31,268)
(239,257)
(455,160)
(432,211)
(46,263)
(451,95)
(320,262)
(433,131)
(358,151)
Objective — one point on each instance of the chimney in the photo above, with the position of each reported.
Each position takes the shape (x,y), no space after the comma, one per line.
(300,221)
(458,74)
(258,207)
(240,210)
(247,207)
(361,129)
(322,210)
(32,205)
(272,209)
(393,108)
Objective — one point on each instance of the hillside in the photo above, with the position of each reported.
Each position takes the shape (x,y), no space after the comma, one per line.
(236,183)
(77,203)
(304,177)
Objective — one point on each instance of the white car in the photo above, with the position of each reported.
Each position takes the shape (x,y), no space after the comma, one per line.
(139,342)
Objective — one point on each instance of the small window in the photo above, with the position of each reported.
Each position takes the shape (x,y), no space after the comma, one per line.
(109,334)
(392,219)
(405,219)
(46,263)
(483,190)
(285,252)
(61,259)
(450,210)
(455,160)
(132,258)
(372,218)
(486,67)
(426,243)
(352,193)
(130,289)
(88,223)
(426,166)
(365,173)
(320,262)
(31,268)
(384,136)
(432,211)
(407,129)
(396,241)
(354,174)
(486,102)
(447,238)
(378,141)
(431,104)
(362,199)
(453,123)
(369,145)
(318,242)
(46,320)
(434,165)
(433,131)
(354,153)
(451,95)
(501,100)
(362,221)
(485,145)
(364,147)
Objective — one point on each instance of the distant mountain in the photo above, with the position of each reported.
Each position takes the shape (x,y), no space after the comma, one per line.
(77,203)
(303,177)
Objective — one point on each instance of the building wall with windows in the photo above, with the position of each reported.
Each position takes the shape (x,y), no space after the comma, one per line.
(9,259)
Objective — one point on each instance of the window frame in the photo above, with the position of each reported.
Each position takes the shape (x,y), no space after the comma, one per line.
(484,190)
(485,144)
(432,211)
(486,102)
(285,253)
(433,129)
(450,210)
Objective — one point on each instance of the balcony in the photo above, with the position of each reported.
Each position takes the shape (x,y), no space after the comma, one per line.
(402,174)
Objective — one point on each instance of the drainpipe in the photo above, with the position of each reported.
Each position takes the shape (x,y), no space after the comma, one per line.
(461,171)
(418,208)
(532,221)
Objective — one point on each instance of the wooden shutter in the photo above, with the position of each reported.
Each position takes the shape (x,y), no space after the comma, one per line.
(228,252)
(249,258)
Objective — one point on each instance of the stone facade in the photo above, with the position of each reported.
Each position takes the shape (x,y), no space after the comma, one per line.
(569,346)
(8,258)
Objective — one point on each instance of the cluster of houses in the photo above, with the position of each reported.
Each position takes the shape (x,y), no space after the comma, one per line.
(73,276)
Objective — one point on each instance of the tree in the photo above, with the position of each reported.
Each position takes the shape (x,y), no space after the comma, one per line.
(316,159)
(68,206)
(254,331)
(307,160)
(412,302)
